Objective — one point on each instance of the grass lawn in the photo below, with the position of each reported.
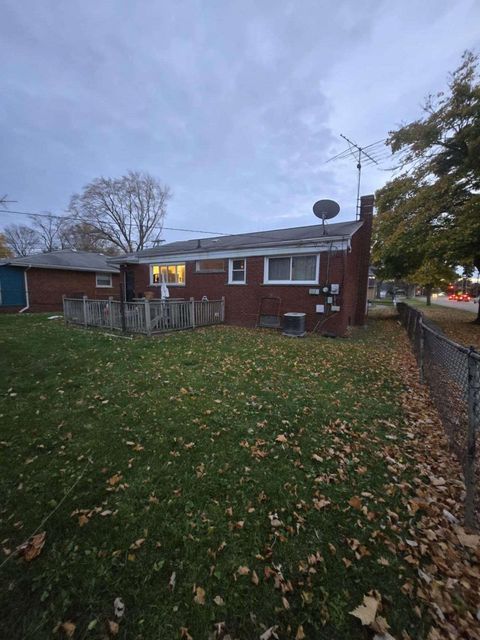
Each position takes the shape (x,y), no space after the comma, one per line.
(219,468)
(457,324)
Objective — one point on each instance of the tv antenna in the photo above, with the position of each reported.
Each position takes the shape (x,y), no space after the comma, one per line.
(325,210)
(361,153)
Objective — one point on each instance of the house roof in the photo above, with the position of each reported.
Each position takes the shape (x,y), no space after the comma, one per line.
(245,241)
(66,259)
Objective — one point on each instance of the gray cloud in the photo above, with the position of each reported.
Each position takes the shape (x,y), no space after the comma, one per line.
(235,105)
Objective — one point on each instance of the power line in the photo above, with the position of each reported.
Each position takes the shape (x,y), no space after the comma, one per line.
(51,215)
(76,219)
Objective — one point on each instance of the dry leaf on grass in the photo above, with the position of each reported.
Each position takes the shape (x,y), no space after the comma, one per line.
(367,611)
(355,502)
(218,600)
(269,633)
(281,438)
(300,635)
(33,547)
(118,607)
(172,581)
(199,597)
(113,627)
(243,571)
(68,629)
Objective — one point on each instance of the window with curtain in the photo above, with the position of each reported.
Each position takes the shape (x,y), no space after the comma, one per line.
(168,273)
(292,269)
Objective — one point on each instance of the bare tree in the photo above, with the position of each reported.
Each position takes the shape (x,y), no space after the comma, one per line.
(49,229)
(21,240)
(83,237)
(125,211)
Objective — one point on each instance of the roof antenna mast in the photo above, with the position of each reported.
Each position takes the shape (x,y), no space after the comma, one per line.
(361,152)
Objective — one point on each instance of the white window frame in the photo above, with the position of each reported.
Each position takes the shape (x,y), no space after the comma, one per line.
(230,271)
(167,264)
(103,275)
(292,282)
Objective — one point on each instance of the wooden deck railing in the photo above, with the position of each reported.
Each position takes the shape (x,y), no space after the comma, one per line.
(143,316)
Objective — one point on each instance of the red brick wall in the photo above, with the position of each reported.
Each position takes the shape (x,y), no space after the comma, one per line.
(242,302)
(47,286)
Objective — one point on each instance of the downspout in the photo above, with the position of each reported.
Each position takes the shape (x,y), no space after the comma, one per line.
(27,297)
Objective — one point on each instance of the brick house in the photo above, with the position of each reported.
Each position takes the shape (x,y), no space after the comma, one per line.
(38,282)
(320,272)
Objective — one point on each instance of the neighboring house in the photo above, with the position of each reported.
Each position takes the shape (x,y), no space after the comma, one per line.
(320,272)
(38,282)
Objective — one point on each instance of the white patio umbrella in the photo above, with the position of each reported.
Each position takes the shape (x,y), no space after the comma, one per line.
(164,292)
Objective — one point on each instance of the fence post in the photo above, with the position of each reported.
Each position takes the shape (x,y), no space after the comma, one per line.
(122,309)
(421,350)
(85,320)
(64,310)
(148,317)
(222,313)
(110,311)
(473,422)
(192,311)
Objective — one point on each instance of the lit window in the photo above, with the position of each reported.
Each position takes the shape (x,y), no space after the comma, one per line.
(237,273)
(103,280)
(167,273)
(298,269)
(211,266)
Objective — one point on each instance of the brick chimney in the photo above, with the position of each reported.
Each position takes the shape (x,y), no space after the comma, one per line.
(365,238)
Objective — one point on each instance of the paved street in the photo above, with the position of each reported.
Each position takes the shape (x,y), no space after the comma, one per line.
(466,306)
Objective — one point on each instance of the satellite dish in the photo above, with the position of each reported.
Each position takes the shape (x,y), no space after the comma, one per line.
(326,209)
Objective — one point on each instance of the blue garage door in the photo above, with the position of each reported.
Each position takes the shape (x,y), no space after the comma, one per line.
(12,287)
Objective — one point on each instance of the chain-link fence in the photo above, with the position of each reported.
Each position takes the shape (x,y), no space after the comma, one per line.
(452,373)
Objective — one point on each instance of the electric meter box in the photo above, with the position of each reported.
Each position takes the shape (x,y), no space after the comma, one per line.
(335,289)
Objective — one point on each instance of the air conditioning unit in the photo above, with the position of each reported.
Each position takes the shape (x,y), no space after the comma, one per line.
(294,324)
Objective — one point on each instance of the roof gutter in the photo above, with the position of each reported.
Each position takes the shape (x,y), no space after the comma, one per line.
(27,296)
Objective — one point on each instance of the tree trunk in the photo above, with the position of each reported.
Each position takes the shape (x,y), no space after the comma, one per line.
(428,293)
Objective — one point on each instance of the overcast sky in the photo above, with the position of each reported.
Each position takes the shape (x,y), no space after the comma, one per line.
(236,105)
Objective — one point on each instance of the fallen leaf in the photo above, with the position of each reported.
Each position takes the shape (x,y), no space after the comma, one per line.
(470,540)
(254,578)
(355,502)
(367,611)
(243,571)
(114,479)
(281,438)
(269,633)
(33,547)
(68,628)
(199,597)
(118,607)
(218,600)
(137,544)
(113,627)
(172,581)
(300,635)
